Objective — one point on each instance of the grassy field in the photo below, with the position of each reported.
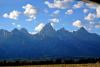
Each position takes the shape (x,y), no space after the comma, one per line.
(61,65)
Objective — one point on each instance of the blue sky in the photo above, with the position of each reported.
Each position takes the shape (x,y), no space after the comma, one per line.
(34,14)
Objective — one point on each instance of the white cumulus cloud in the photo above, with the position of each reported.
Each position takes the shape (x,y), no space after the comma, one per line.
(91,5)
(85,10)
(55,13)
(13,23)
(39,27)
(32,33)
(70,11)
(61,4)
(98,11)
(53,21)
(97,25)
(77,23)
(90,17)
(18,26)
(30,11)
(12,15)
(78,5)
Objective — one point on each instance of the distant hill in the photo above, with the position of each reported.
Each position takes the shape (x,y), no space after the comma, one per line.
(48,43)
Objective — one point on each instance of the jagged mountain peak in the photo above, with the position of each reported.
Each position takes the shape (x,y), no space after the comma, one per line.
(49,42)
(23,30)
(15,30)
(47,29)
(62,30)
(48,26)
(19,32)
(82,30)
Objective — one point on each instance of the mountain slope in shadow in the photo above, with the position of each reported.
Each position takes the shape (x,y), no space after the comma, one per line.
(48,43)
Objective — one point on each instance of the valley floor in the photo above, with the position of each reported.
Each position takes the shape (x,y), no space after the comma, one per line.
(61,65)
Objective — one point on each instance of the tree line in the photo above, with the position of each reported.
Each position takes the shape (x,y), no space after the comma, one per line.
(49,61)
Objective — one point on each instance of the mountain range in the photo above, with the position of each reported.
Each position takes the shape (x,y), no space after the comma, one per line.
(48,43)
